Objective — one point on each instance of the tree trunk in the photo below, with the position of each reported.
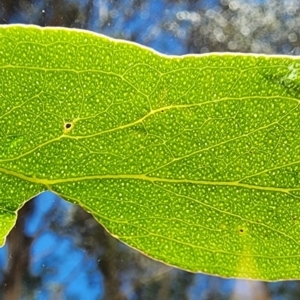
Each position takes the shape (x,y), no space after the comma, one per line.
(18,256)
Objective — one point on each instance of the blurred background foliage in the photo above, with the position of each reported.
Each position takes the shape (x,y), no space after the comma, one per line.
(57,250)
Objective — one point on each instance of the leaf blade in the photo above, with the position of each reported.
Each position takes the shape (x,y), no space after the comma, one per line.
(192,160)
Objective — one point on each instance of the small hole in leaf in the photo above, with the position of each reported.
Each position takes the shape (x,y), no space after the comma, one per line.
(68,126)
(241,230)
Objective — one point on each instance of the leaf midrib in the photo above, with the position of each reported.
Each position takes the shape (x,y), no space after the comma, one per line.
(50,182)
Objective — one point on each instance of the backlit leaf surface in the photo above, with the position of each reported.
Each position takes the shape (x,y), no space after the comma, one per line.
(192,160)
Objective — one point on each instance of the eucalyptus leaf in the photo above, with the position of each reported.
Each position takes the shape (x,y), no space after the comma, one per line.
(192,160)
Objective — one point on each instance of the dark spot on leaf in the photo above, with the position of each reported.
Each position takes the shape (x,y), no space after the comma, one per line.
(68,126)
(241,230)
(162,111)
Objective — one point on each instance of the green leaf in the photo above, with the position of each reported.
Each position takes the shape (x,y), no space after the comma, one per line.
(192,160)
